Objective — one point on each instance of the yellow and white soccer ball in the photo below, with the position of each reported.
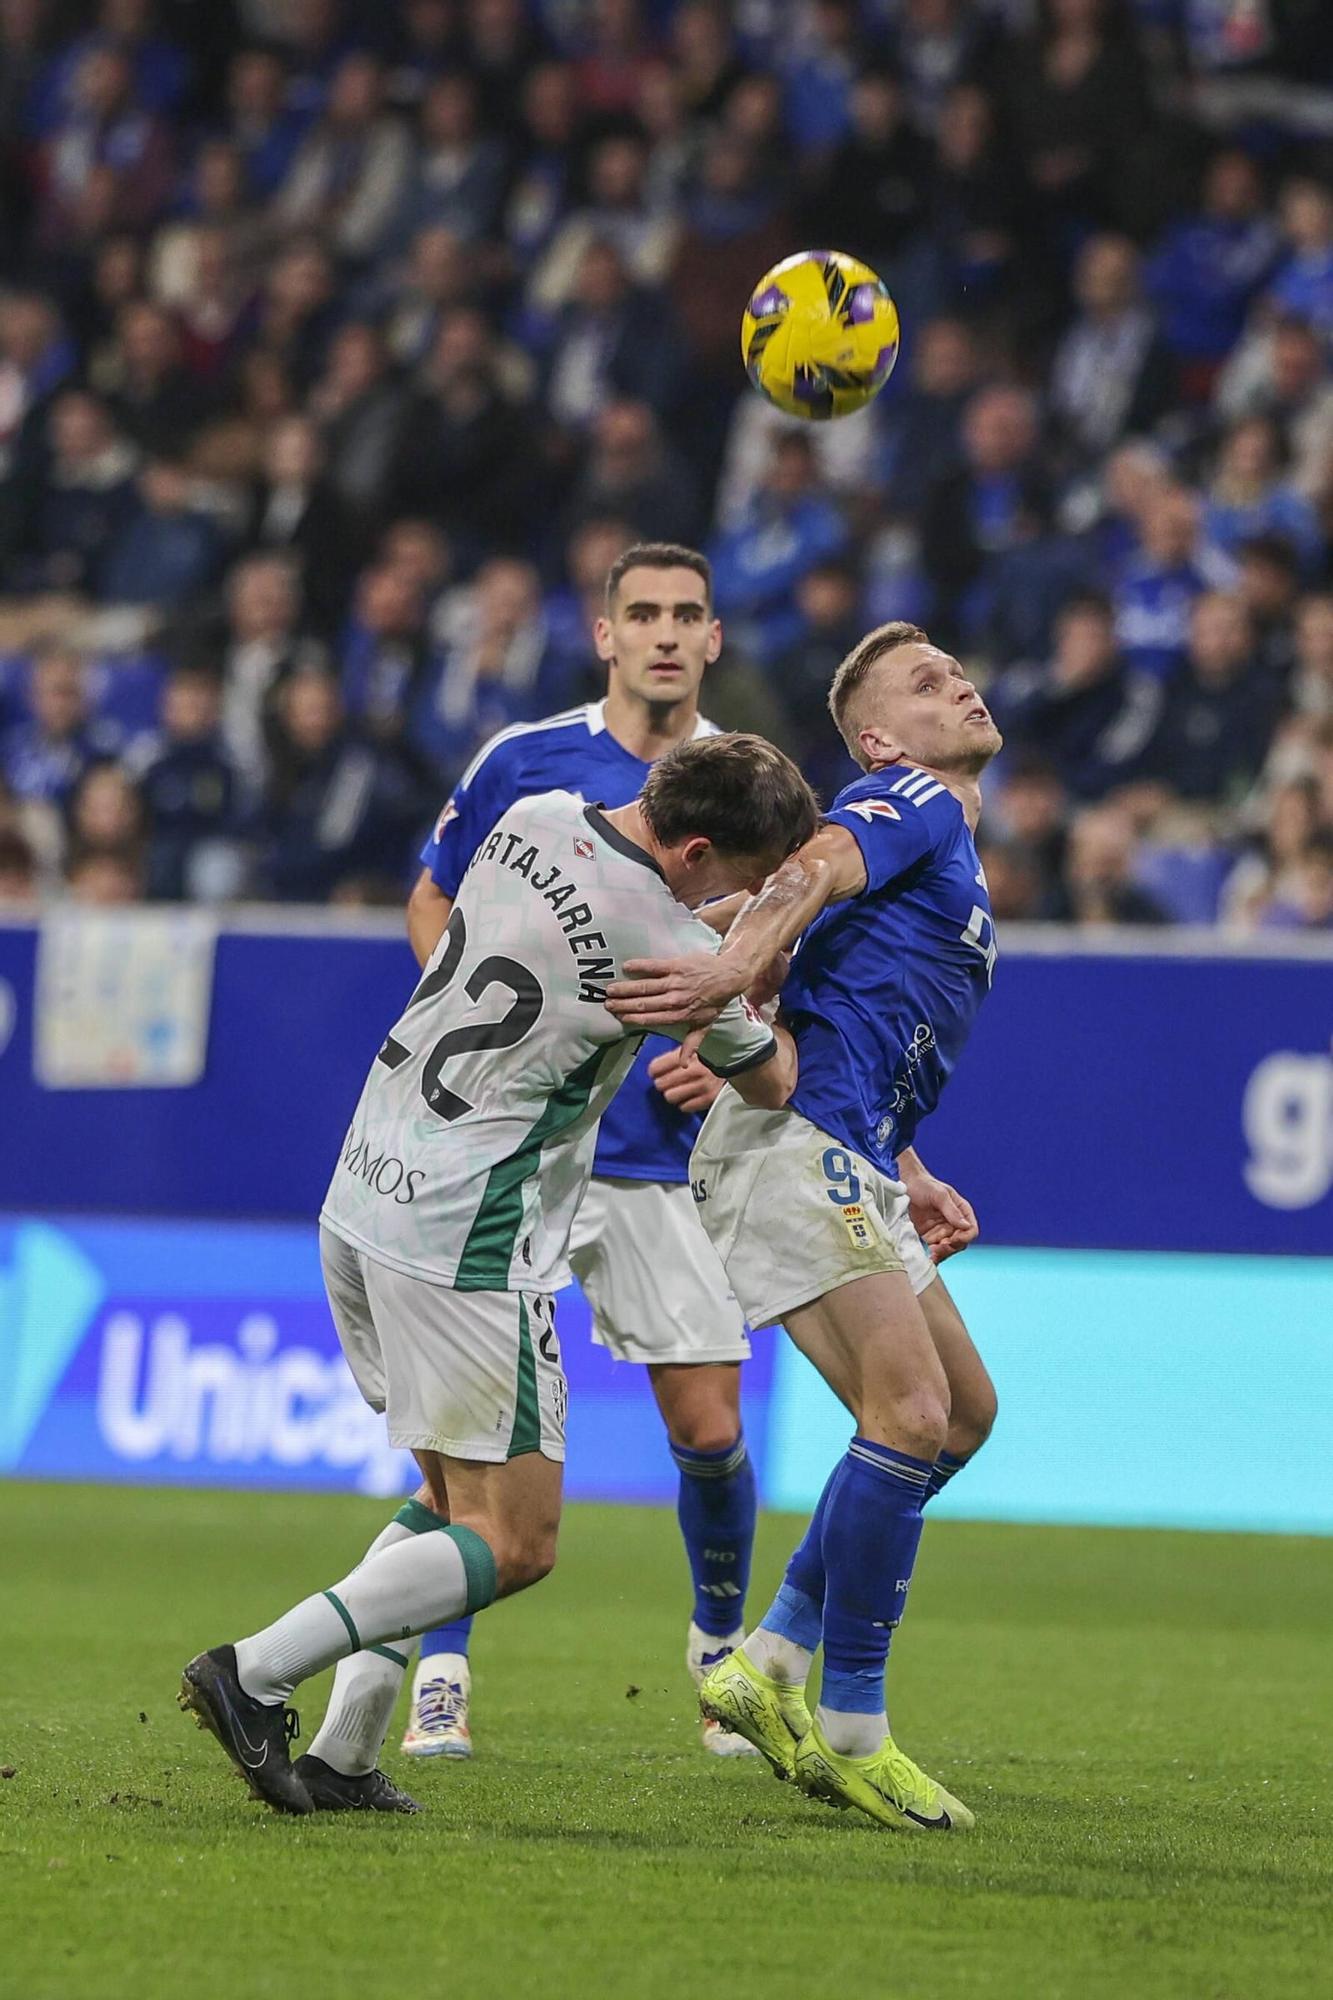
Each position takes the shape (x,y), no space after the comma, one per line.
(820,335)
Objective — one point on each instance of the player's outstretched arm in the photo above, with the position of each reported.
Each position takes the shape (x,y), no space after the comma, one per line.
(427,914)
(666,992)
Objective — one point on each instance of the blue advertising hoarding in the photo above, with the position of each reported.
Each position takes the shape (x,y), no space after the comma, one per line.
(1135,1388)
(1147,1137)
(1173,1100)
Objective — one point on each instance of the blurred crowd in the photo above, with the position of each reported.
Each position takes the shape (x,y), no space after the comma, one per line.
(343,347)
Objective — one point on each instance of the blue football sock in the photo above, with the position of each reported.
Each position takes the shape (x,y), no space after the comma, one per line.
(872,1525)
(942,1471)
(716,1508)
(797,1612)
(447,1638)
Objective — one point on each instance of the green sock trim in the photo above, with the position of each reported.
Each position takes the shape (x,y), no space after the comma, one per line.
(478,1567)
(387,1653)
(417,1518)
(346,1617)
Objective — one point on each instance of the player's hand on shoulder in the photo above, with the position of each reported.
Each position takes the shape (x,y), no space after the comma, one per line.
(765,989)
(944,1219)
(684,1081)
(673,992)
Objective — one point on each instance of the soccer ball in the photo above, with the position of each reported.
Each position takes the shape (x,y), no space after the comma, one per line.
(820,335)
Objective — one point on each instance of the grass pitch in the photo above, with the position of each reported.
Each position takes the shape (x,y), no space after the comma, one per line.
(1139,1720)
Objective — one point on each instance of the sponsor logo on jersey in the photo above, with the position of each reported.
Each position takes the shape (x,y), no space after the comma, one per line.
(873,809)
(583,848)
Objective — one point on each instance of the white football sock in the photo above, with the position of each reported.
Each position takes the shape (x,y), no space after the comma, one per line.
(852,1735)
(415,1583)
(365,1688)
(781,1659)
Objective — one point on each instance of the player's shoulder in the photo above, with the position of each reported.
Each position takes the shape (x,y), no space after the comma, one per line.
(901,792)
(527,747)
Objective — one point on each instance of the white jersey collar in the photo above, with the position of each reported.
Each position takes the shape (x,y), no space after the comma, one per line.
(596,720)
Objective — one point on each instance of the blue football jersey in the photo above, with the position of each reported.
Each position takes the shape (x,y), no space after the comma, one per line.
(642,1137)
(884,988)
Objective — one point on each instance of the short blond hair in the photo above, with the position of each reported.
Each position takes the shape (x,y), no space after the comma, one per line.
(851,675)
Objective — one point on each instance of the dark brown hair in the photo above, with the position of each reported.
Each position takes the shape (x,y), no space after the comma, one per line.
(659,555)
(852,673)
(738,791)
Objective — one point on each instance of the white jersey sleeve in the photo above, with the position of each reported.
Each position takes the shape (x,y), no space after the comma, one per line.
(472,1143)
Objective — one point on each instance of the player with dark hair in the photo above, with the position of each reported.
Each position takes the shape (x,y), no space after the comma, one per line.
(658,1293)
(445,1230)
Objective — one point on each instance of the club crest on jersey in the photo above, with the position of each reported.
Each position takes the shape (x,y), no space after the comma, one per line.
(450,813)
(583,848)
(872,809)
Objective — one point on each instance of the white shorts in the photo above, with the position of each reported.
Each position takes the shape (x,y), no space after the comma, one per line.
(474,1375)
(792,1213)
(651,1276)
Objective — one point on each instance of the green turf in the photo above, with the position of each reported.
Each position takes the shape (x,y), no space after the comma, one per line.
(1139,1720)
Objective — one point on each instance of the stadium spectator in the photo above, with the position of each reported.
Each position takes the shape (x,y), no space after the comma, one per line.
(469,451)
(44,756)
(456,179)
(1077,99)
(868,196)
(360,406)
(1085,710)
(436,274)
(1208,268)
(1282,374)
(106,162)
(259,650)
(1267,874)
(1112,374)
(318,332)
(1097,883)
(350,173)
(192,795)
(498,666)
(158,403)
(1219,711)
(790,527)
(1312,675)
(995,499)
(169,549)
(105,816)
(292,509)
(611,338)
(1249,497)
(636,473)
(973,200)
(333,805)
(617,212)
(1302,286)
(1158,587)
(66,513)
(259,123)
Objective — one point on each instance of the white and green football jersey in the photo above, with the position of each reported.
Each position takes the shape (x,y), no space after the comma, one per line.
(472,1144)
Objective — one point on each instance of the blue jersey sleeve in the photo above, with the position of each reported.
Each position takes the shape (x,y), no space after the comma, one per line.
(486,790)
(896,824)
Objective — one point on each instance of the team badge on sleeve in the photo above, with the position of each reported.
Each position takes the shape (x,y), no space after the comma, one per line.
(450,813)
(872,809)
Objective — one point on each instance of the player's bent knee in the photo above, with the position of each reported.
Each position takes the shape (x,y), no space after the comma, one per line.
(920,1424)
(521,1564)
